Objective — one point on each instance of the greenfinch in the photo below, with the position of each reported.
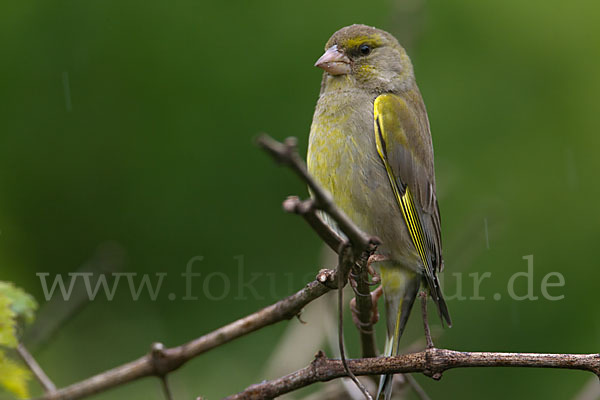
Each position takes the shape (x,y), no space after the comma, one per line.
(370,146)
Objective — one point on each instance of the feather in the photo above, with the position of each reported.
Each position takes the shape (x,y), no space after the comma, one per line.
(408,161)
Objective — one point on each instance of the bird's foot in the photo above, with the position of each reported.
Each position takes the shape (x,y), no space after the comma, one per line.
(375,278)
(375,295)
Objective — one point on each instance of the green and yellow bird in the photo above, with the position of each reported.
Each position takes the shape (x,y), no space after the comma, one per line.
(370,147)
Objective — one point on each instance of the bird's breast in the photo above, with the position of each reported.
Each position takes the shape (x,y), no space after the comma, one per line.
(342,156)
(342,153)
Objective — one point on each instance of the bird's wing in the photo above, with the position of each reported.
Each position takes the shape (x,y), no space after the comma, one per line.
(404,145)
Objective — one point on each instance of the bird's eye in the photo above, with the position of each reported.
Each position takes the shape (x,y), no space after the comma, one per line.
(364,49)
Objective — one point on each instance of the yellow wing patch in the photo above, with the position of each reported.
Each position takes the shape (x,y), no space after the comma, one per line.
(386,119)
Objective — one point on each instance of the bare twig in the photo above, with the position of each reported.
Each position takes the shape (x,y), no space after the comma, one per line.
(286,153)
(346,259)
(157,353)
(419,391)
(306,209)
(432,362)
(423,296)
(364,304)
(166,388)
(35,368)
(363,245)
(162,361)
(363,299)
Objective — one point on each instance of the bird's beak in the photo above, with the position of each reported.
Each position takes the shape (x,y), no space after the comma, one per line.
(334,61)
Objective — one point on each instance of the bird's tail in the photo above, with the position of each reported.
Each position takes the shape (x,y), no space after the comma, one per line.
(438,298)
(400,288)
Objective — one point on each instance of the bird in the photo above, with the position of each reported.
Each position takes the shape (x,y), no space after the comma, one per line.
(370,146)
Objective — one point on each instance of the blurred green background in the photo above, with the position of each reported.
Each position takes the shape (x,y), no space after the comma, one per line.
(133,122)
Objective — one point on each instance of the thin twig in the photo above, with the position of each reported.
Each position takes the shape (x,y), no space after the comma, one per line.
(419,391)
(286,154)
(166,388)
(157,355)
(345,258)
(306,209)
(35,368)
(364,304)
(173,358)
(423,296)
(432,362)
(363,299)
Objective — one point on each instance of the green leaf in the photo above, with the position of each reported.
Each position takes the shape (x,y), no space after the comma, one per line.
(16,306)
(21,302)
(14,377)
(8,332)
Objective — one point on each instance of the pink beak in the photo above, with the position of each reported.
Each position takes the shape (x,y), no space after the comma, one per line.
(334,61)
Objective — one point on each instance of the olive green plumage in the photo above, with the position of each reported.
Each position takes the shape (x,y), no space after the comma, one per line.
(370,146)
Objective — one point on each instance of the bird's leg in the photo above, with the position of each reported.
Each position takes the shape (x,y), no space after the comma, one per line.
(376,279)
(375,295)
(423,296)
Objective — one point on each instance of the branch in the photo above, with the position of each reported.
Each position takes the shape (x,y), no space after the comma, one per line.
(345,259)
(160,361)
(307,210)
(432,362)
(364,304)
(286,153)
(363,245)
(35,368)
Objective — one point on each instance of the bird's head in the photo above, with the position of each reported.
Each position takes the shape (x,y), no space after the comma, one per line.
(366,57)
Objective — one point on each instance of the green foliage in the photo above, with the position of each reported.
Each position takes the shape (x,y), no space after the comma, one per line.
(16,307)
(14,376)
(22,304)
(7,323)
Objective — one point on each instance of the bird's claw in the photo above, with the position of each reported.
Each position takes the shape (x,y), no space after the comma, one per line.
(375,278)
(375,295)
